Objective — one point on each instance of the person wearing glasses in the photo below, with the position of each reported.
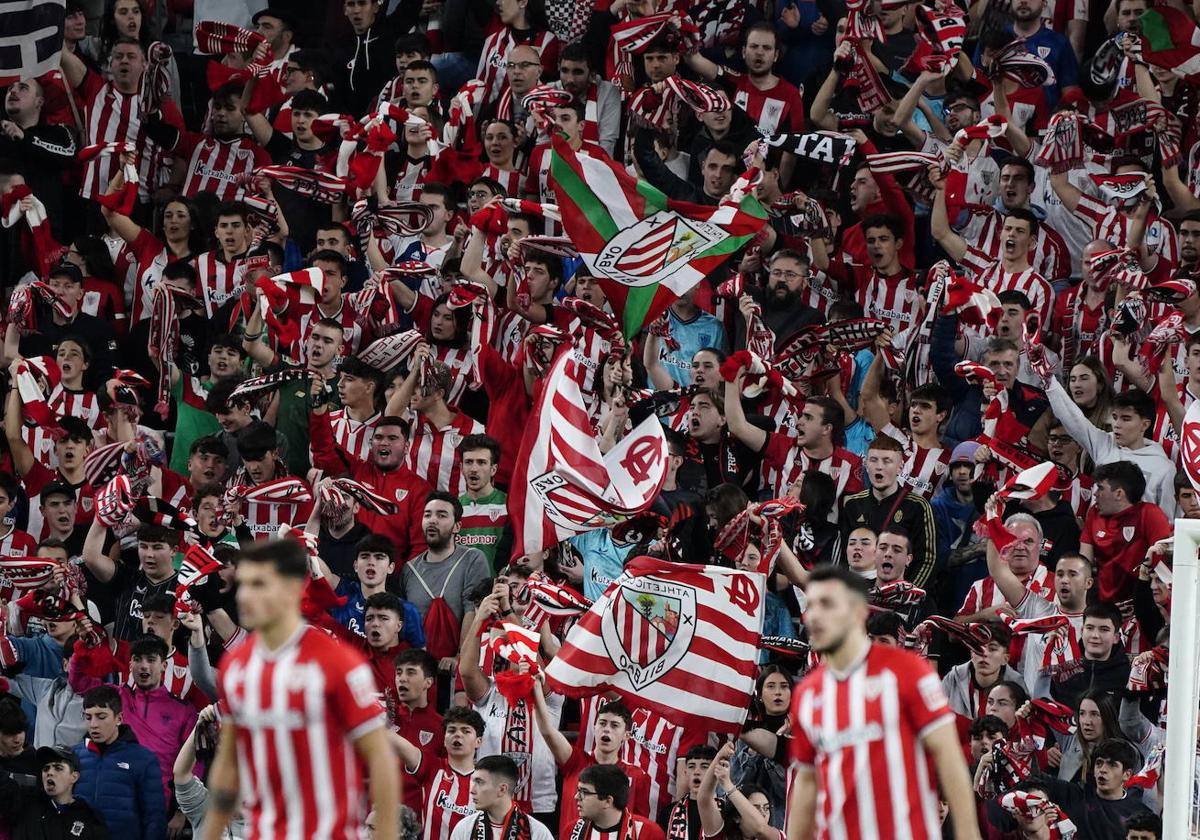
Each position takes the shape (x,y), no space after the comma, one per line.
(497,815)
(602,795)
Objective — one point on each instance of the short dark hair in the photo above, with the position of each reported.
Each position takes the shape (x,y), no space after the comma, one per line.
(376,543)
(700,752)
(575,51)
(610,782)
(385,601)
(463,714)
(180,270)
(393,420)
(227,340)
(309,100)
(1146,820)
(256,440)
(233,208)
(439,189)
(79,341)
(898,531)
(1001,635)
(932,393)
(1015,297)
(987,725)
(886,623)
(1138,400)
(421,658)
(1119,751)
(160,603)
(723,147)
(499,765)
(617,709)
(852,580)
(1104,611)
(76,429)
(1025,216)
(149,645)
(473,442)
(209,445)
(422,64)
(13,719)
(103,697)
(151,533)
(220,397)
(328,256)
(415,42)
(1022,164)
(884,220)
(831,415)
(287,557)
(449,498)
(1123,475)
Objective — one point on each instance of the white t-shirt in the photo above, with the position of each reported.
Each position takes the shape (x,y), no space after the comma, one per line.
(494,709)
(462,831)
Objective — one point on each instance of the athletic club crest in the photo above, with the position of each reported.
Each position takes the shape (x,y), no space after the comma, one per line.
(652,249)
(649,627)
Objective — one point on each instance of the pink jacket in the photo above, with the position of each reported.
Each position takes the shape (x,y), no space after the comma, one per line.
(159,722)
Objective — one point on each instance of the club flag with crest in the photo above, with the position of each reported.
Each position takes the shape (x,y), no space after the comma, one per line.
(563,485)
(1171,39)
(676,638)
(644,248)
(1189,444)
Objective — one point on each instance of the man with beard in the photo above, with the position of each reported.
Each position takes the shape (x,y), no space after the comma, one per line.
(1049,44)
(439,580)
(384,470)
(601,100)
(1010,269)
(914,714)
(774,105)
(484,523)
(781,304)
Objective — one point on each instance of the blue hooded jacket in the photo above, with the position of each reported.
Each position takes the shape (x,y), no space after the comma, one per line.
(123,782)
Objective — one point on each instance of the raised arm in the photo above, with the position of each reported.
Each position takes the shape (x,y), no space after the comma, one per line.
(376,752)
(1007,582)
(660,380)
(73,68)
(870,400)
(711,821)
(474,682)
(100,564)
(22,455)
(559,746)
(1067,192)
(953,244)
(409,753)
(735,416)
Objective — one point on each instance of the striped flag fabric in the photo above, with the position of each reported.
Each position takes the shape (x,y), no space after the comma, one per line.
(644,248)
(563,485)
(676,638)
(31,38)
(1171,39)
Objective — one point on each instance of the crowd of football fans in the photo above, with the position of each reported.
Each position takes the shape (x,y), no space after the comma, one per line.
(979,258)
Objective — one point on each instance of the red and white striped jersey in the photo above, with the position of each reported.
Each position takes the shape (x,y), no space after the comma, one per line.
(896,299)
(984,594)
(785,462)
(1049,255)
(147,259)
(64,403)
(1079,495)
(537,180)
(354,436)
(990,274)
(433,453)
(409,176)
(446,794)
(821,293)
(298,711)
(779,108)
(861,731)
(1078,325)
(1111,224)
(17,543)
(263,519)
(218,167)
(347,316)
(218,280)
(509,179)
(924,469)
(113,117)
(1163,431)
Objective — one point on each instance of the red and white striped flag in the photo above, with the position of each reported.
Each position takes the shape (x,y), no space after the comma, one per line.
(678,639)
(563,485)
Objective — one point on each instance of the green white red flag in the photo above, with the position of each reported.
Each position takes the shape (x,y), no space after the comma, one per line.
(646,249)
(1171,39)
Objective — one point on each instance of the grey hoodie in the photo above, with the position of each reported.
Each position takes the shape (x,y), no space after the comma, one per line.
(1158,469)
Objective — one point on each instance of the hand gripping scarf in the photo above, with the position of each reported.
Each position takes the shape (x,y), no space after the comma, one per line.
(990,128)
(1148,673)
(516,826)
(974,637)
(1062,656)
(1031,804)
(401,218)
(122,201)
(114,502)
(24,573)
(21,310)
(1119,266)
(319,186)
(656,108)
(1165,335)
(156,80)
(760,377)
(895,595)
(282,491)
(218,38)
(631,38)
(38,245)
(365,495)
(861,22)
(29,374)
(720,23)
(1016,63)
(391,351)
(533,208)
(1011,765)
(463,106)
(916,163)
(164,337)
(1147,777)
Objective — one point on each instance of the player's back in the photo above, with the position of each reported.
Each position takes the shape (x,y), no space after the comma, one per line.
(861,732)
(298,710)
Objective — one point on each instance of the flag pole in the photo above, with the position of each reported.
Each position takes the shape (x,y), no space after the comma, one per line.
(1180,758)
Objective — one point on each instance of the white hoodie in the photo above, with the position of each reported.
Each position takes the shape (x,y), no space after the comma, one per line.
(1158,469)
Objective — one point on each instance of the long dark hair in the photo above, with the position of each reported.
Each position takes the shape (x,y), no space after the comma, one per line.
(462,324)
(108,28)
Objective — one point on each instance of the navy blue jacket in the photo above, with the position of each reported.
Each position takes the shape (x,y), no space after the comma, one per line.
(123,782)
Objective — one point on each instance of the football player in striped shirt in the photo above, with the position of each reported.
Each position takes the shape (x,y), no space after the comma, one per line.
(869,727)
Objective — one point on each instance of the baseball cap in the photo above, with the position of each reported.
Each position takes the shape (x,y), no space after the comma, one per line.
(964,453)
(49,755)
(279,14)
(58,488)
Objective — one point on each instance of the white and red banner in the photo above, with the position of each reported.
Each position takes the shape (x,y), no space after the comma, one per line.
(563,486)
(676,638)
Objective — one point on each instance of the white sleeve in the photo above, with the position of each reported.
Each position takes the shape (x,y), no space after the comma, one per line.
(538,831)
(1098,444)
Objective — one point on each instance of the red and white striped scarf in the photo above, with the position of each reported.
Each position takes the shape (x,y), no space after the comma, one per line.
(22,313)
(631,37)
(164,337)
(219,38)
(29,374)
(1063,656)
(38,245)
(1031,804)
(319,186)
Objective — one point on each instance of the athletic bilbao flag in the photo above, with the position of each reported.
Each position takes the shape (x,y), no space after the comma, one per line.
(645,249)
(31,38)
(676,638)
(1189,444)
(1171,39)
(562,485)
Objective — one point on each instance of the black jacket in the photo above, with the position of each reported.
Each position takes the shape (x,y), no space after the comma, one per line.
(31,815)
(911,513)
(657,173)
(1109,675)
(368,65)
